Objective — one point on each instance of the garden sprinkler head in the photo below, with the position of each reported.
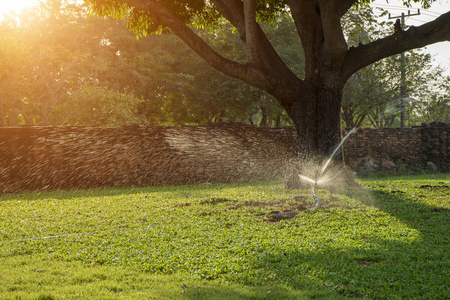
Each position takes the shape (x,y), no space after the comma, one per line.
(315,198)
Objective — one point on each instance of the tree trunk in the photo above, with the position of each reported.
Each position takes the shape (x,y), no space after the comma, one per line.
(316,117)
(278,121)
(263,122)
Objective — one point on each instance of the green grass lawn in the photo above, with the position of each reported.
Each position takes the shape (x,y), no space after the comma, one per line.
(388,239)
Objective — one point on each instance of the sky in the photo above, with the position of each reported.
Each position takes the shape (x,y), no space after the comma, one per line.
(439,51)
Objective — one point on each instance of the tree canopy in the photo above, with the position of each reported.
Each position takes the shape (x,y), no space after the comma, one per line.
(317,22)
(312,101)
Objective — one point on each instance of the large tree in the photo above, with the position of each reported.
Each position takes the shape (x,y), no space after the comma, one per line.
(313,102)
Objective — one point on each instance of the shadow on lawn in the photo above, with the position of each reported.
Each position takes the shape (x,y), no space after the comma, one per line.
(380,266)
(236,292)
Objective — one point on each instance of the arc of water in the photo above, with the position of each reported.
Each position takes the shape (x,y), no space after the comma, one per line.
(322,170)
(334,153)
(305,178)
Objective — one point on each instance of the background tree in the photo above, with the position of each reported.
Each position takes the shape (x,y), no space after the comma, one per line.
(56,53)
(430,100)
(372,95)
(12,53)
(313,102)
(98,106)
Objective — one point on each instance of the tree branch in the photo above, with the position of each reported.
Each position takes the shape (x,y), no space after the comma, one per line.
(252,34)
(416,37)
(306,15)
(334,41)
(161,15)
(275,78)
(233,11)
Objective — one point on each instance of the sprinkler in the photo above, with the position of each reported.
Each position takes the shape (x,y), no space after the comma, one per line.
(315,198)
(322,171)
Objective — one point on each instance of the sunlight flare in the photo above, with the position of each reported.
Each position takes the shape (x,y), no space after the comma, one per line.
(16,6)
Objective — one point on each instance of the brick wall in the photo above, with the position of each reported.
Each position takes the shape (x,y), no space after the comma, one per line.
(64,157)
(408,148)
(82,157)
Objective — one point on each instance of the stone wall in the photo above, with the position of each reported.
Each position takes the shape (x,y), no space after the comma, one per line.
(400,149)
(65,157)
(82,157)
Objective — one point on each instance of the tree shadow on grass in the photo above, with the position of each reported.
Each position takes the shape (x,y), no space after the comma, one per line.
(408,259)
(245,292)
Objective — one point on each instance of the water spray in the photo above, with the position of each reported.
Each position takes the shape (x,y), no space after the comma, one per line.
(315,198)
(335,151)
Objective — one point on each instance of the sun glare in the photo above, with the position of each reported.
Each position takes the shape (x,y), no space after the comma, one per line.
(15,6)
